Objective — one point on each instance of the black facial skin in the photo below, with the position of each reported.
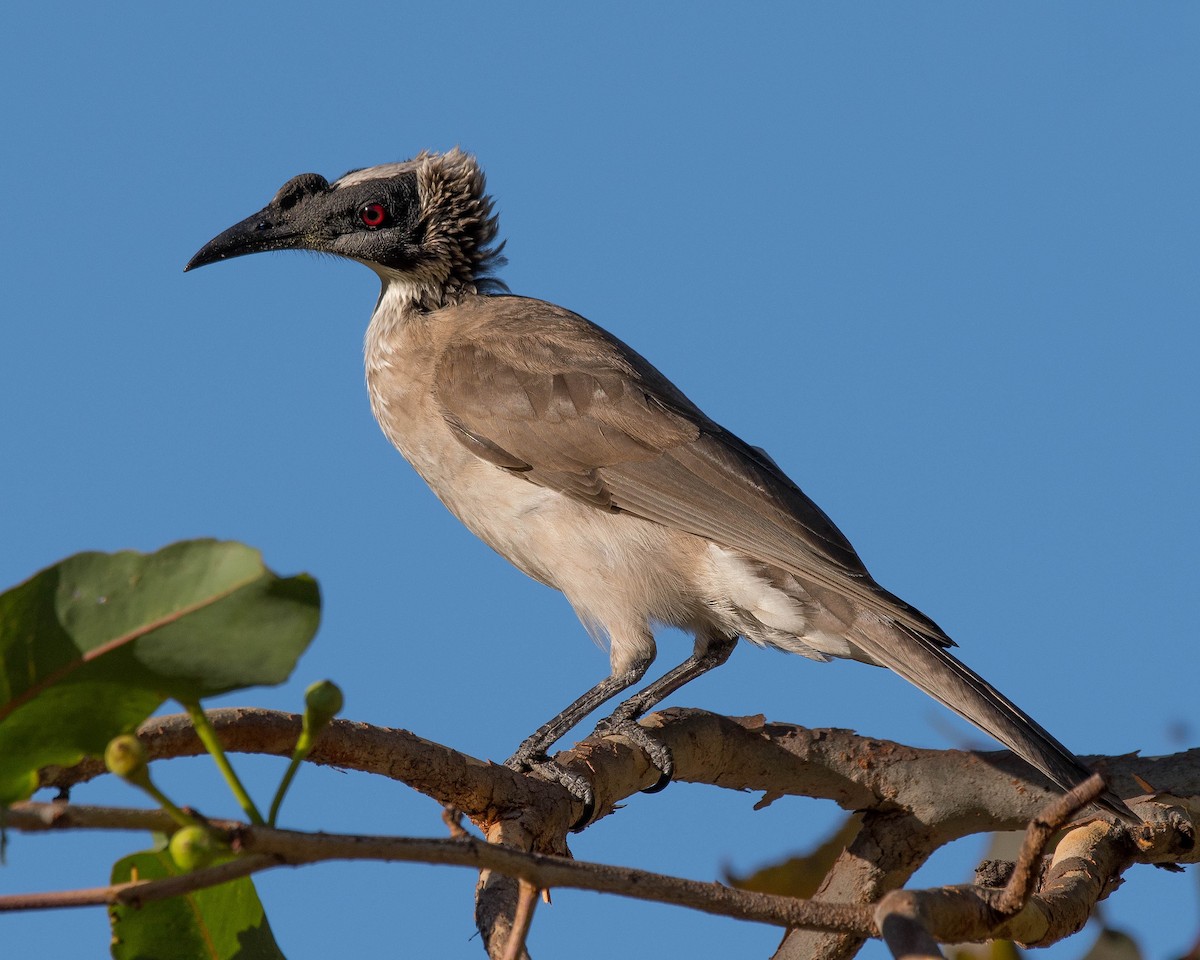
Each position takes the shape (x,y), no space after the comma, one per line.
(308,214)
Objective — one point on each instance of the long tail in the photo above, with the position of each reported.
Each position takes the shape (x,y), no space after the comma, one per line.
(926,664)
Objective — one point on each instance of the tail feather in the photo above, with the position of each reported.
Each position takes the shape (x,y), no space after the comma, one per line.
(924,663)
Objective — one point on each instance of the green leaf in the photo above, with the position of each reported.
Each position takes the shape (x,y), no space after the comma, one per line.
(992,950)
(1113,944)
(799,876)
(92,646)
(216,923)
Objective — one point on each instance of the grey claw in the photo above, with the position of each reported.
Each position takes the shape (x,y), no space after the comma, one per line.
(578,786)
(657,753)
(663,780)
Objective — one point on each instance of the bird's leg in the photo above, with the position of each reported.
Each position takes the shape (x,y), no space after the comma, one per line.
(710,651)
(531,754)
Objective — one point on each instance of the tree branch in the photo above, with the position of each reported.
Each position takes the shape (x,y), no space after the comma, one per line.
(270,848)
(1087,859)
(907,918)
(988,791)
(526,904)
(136,892)
(915,801)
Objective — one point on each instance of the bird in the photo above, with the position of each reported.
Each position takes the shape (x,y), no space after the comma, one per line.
(573,457)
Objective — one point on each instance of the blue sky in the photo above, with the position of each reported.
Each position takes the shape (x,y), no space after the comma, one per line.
(939,259)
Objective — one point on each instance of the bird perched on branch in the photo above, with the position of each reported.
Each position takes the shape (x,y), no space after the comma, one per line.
(569,454)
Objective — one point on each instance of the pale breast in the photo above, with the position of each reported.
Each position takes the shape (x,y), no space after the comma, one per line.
(621,573)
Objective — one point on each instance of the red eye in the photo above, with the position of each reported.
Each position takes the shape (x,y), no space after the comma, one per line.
(373,215)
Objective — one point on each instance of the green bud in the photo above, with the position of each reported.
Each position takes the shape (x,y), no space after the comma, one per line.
(192,848)
(322,702)
(126,757)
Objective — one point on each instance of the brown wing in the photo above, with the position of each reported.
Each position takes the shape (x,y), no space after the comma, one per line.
(538,390)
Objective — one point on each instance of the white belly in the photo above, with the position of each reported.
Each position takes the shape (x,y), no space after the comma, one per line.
(622,574)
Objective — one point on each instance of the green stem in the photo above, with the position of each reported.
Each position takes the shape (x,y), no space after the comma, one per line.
(298,756)
(322,702)
(208,736)
(176,814)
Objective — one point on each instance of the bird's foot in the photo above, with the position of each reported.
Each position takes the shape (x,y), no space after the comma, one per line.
(578,786)
(659,754)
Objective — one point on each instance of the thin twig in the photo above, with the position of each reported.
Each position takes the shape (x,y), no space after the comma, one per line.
(1041,828)
(902,929)
(540,870)
(452,818)
(526,904)
(907,919)
(140,891)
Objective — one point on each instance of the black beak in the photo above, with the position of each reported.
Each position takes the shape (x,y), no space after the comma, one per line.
(265,230)
(288,222)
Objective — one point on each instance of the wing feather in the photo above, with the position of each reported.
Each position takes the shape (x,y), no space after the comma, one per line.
(543,392)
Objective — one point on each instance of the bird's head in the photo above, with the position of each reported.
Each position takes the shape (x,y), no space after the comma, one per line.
(426,224)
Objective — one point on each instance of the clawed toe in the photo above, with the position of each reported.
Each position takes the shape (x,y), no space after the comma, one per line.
(657,753)
(578,786)
(664,778)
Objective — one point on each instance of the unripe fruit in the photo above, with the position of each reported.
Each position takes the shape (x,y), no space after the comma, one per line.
(192,848)
(125,756)
(323,701)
